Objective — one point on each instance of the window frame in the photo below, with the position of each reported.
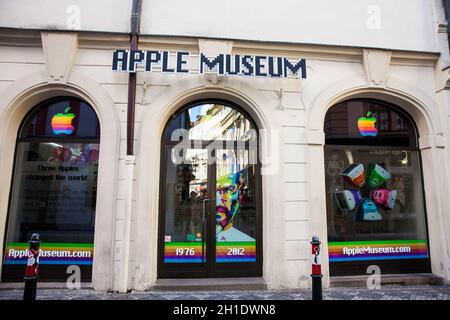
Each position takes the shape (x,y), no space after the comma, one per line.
(86,270)
(424,264)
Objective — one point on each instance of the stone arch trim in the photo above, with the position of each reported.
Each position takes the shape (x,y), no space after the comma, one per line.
(147,195)
(23,95)
(417,103)
(186,91)
(431,129)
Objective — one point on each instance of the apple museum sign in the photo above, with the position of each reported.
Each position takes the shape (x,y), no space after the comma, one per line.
(222,64)
(366,126)
(62,122)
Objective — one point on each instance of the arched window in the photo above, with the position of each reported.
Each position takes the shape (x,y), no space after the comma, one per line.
(375,203)
(210,193)
(54,189)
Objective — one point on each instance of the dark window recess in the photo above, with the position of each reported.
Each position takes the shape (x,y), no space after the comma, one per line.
(54,190)
(447,13)
(62,118)
(343,122)
(374,194)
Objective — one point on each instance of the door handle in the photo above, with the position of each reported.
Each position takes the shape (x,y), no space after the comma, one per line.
(204,201)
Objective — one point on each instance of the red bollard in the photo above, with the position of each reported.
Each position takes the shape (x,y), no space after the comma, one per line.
(32,270)
(316,273)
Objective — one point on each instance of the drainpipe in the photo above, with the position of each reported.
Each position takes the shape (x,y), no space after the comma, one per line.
(130,160)
(135,23)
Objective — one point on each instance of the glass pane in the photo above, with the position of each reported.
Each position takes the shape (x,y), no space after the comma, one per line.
(185,208)
(62,118)
(235,207)
(54,194)
(374,204)
(367,123)
(211,122)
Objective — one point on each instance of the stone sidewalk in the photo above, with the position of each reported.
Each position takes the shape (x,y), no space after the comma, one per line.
(385,293)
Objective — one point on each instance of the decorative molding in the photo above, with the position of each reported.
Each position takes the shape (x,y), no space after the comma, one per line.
(323,52)
(417,59)
(440,140)
(376,65)
(59,51)
(280,99)
(211,79)
(447,79)
(212,48)
(145,92)
(124,269)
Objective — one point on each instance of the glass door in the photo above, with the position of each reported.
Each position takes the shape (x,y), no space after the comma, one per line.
(210,215)
(196,243)
(236,219)
(186,210)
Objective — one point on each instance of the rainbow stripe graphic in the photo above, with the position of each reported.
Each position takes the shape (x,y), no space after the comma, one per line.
(183,252)
(62,122)
(377,250)
(367,127)
(51,253)
(236,251)
(191,252)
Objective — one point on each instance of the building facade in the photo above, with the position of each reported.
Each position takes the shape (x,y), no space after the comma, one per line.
(254,128)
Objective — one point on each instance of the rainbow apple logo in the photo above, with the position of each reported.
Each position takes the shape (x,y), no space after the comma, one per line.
(62,122)
(366,126)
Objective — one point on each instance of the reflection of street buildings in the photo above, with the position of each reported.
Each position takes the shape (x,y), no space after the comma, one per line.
(215,122)
(194,167)
(199,161)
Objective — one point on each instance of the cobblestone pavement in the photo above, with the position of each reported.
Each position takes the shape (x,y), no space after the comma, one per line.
(385,293)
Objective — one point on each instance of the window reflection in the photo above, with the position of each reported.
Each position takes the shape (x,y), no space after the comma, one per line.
(374,193)
(403,219)
(213,122)
(54,190)
(74,114)
(210,187)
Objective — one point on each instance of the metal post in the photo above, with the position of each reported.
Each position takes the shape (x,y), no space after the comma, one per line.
(316,273)
(31,273)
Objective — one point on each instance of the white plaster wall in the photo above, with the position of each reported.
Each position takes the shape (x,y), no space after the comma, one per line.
(293,197)
(443,99)
(27,83)
(364,23)
(99,15)
(345,22)
(297,187)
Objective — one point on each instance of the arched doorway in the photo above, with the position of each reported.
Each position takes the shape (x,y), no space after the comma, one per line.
(374,191)
(54,189)
(210,193)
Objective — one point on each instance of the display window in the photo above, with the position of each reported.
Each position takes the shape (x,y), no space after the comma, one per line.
(374,194)
(54,189)
(210,210)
